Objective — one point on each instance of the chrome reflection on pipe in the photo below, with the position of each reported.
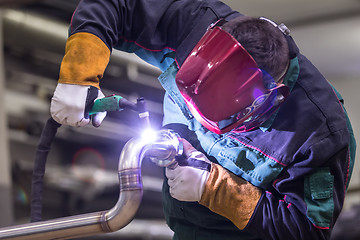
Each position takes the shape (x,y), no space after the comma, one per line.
(162,150)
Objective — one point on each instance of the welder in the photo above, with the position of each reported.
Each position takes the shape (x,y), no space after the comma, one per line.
(271,137)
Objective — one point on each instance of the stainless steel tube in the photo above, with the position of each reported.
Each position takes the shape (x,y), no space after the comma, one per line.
(164,147)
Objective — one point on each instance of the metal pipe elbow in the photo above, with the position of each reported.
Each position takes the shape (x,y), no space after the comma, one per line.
(161,150)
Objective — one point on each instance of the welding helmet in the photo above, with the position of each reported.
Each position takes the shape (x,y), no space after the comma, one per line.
(223,86)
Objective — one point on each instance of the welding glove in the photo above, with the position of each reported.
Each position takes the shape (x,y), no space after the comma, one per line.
(71,104)
(215,188)
(187,180)
(85,60)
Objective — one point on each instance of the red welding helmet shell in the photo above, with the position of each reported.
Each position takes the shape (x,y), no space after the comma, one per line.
(223,86)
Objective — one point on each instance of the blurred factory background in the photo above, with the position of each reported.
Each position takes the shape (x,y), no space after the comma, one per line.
(81,174)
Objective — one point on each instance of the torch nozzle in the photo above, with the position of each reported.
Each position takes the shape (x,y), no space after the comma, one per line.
(143,112)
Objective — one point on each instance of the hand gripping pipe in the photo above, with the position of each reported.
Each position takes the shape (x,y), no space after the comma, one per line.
(162,150)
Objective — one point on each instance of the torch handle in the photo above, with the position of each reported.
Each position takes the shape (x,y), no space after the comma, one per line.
(110,103)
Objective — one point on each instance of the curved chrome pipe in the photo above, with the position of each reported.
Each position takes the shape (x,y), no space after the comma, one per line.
(162,150)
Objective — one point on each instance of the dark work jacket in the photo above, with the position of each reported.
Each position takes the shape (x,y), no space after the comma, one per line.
(301,158)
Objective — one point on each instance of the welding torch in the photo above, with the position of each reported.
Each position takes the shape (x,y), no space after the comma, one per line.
(118,103)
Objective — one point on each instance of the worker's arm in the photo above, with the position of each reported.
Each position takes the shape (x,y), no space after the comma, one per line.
(259,212)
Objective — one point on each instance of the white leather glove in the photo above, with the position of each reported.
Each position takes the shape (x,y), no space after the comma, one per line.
(187,180)
(71,103)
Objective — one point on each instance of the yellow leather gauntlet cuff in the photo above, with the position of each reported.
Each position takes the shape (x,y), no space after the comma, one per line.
(230,196)
(85,60)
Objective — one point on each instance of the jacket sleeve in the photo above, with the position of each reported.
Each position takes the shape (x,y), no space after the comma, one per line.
(150,29)
(150,24)
(154,26)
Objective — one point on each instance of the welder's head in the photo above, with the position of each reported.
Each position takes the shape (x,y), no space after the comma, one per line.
(232,79)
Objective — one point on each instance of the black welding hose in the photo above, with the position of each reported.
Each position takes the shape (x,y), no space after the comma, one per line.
(42,151)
